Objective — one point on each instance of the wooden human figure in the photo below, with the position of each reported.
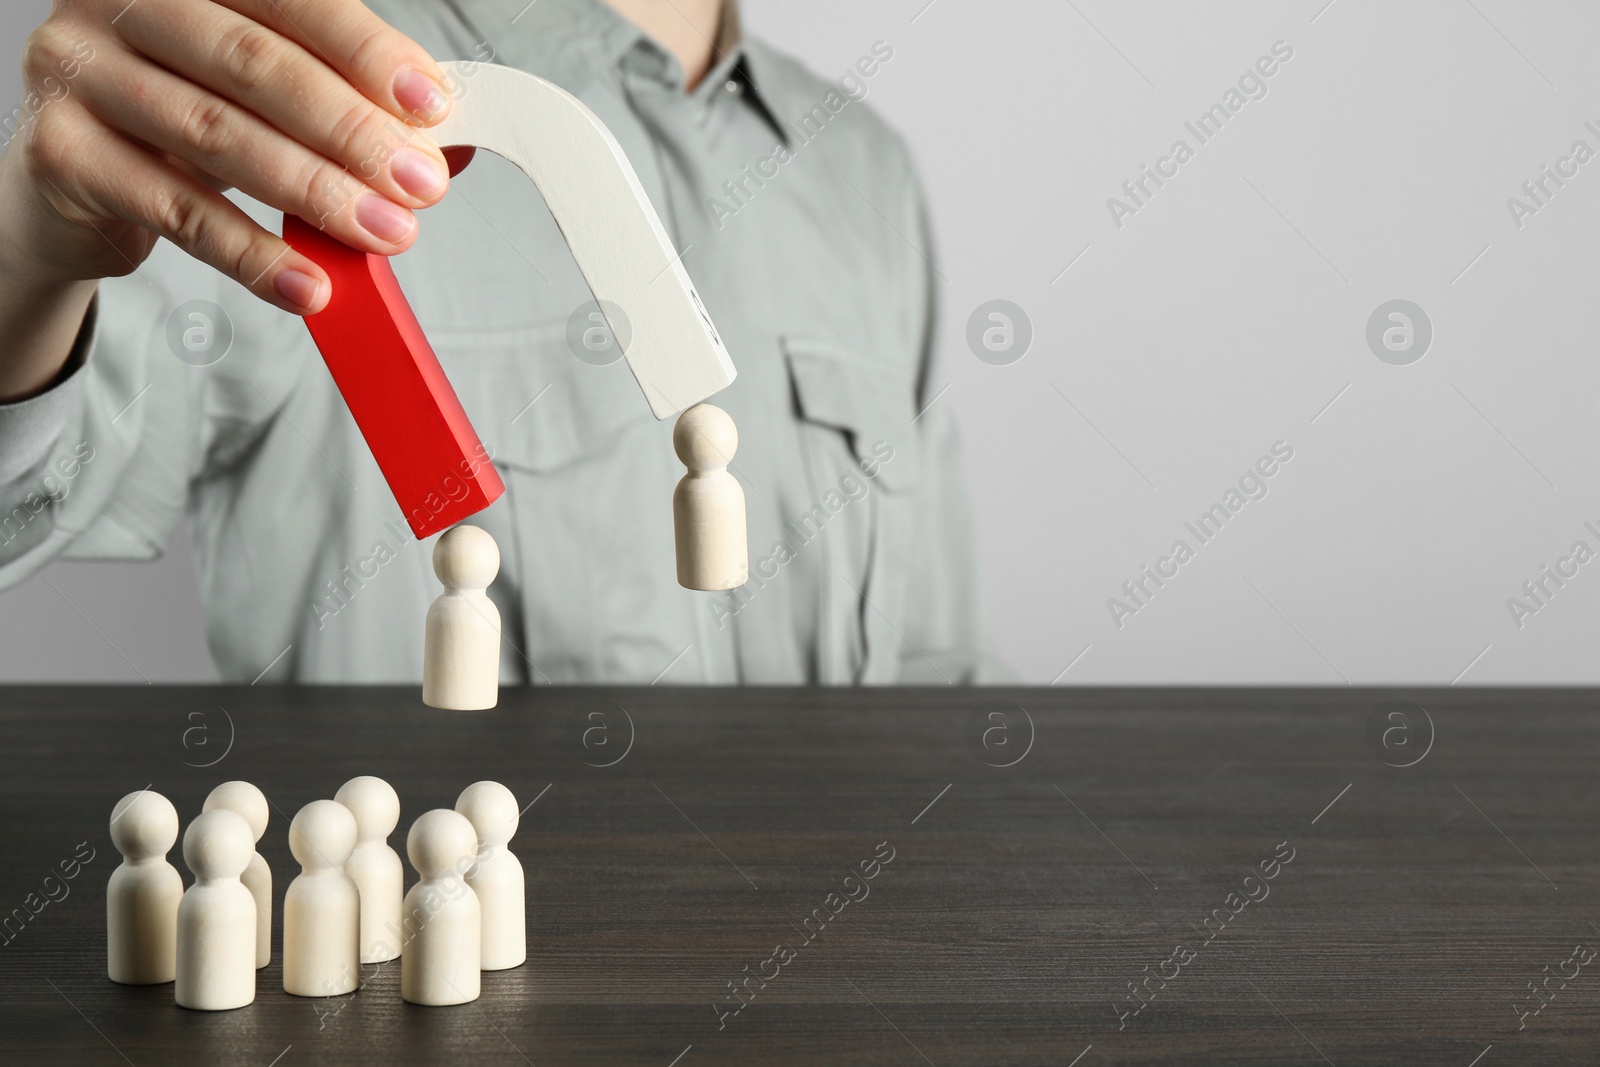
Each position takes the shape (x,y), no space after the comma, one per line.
(375,867)
(442,951)
(461,653)
(143,894)
(497,876)
(217,918)
(250,803)
(708,507)
(322,908)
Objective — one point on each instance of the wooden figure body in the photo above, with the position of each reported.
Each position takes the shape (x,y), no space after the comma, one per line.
(461,652)
(708,506)
(217,919)
(373,866)
(248,802)
(497,876)
(322,908)
(442,950)
(144,892)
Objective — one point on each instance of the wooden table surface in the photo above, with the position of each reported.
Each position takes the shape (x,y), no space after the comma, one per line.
(1053,851)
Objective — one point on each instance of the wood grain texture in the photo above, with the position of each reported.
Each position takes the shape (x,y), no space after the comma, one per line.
(1016,909)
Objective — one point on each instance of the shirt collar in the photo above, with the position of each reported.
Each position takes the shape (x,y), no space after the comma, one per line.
(570,41)
(540,33)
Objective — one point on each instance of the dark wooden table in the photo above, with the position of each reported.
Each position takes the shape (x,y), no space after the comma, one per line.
(1050,849)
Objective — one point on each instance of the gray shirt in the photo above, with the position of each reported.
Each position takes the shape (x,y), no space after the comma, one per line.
(800,220)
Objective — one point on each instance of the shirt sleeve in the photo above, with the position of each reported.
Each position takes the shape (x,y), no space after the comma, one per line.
(947,624)
(98,466)
(29,428)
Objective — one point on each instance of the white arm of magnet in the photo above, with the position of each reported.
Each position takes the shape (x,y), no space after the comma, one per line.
(609,224)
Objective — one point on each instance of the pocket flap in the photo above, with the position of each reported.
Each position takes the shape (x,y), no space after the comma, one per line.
(536,405)
(871,403)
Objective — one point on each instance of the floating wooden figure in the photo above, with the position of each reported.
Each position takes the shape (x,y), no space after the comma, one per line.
(708,507)
(461,648)
(381,361)
(143,894)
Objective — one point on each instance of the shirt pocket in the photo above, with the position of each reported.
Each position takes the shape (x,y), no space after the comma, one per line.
(869,402)
(537,406)
(856,429)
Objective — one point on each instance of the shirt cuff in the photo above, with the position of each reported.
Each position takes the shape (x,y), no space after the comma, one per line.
(29,428)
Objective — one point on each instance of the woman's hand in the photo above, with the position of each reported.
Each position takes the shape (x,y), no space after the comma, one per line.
(137,114)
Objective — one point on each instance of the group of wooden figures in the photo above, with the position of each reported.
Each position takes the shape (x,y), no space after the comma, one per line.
(345,908)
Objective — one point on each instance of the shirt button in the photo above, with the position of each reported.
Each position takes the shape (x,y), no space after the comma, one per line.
(732,86)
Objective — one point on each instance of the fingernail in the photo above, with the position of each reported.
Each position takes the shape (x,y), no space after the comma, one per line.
(419,173)
(384,219)
(299,288)
(419,94)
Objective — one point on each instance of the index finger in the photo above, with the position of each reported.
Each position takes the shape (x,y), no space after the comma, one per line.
(384,65)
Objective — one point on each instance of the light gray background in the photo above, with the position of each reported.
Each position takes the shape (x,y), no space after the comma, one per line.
(1224,316)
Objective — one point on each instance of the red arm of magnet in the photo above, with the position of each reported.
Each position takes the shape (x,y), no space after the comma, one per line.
(433,460)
